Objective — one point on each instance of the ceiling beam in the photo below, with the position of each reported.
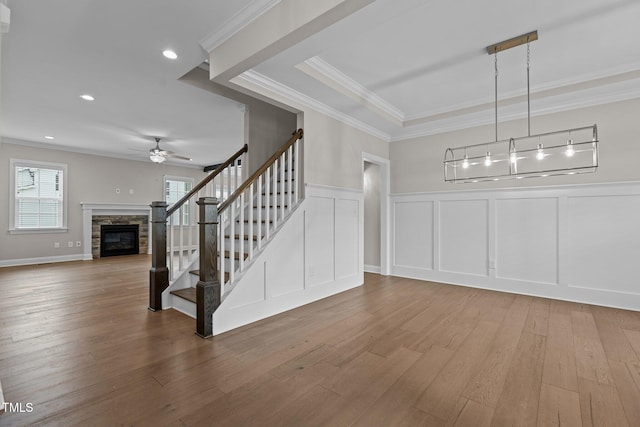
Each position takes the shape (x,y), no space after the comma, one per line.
(284,25)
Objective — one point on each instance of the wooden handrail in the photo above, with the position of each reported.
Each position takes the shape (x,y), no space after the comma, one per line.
(254,177)
(206,180)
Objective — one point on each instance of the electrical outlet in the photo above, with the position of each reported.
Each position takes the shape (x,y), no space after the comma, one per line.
(78,243)
(131,191)
(56,245)
(70,244)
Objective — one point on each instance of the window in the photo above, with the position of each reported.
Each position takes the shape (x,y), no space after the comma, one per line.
(37,196)
(174,189)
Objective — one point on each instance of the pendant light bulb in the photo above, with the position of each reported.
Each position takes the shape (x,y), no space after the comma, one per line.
(487,159)
(540,154)
(570,151)
(465,162)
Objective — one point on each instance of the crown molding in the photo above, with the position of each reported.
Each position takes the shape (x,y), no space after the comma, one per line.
(594,89)
(586,90)
(536,91)
(601,95)
(237,22)
(466,113)
(329,75)
(593,77)
(254,78)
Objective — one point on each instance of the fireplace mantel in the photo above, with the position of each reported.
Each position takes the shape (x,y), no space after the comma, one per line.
(91,209)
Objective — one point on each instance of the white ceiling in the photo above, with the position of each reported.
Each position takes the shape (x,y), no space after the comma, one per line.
(396,68)
(412,67)
(56,51)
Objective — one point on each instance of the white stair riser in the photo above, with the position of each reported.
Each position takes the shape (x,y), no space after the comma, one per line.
(184,306)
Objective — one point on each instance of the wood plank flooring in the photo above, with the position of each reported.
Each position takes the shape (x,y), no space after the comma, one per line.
(77,342)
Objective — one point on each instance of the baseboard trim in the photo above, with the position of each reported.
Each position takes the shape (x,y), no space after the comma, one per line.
(41,260)
(603,298)
(372,269)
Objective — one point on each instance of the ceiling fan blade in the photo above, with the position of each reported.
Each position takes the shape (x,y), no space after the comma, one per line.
(175,156)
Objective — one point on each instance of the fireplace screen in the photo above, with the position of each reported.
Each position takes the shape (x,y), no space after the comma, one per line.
(121,239)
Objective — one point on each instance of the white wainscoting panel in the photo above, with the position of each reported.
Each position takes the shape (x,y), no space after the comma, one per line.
(527,239)
(604,243)
(317,253)
(577,243)
(464,235)
(347,233)
(320,240)
(413,225)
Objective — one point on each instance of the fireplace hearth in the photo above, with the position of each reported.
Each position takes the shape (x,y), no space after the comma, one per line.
(119,239)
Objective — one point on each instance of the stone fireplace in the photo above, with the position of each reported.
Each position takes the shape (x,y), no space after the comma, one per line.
(96,215)
(98,223)
(119,239)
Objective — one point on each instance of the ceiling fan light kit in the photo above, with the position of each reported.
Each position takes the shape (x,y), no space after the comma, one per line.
(563,152)
(157,155)
(157,158)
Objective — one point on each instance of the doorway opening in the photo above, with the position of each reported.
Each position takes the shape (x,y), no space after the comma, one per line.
(376,188)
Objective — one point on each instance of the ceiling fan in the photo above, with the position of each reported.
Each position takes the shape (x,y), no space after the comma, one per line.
(158,155)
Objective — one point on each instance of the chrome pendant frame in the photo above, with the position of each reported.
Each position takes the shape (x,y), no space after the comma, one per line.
(564,152)
(508,156)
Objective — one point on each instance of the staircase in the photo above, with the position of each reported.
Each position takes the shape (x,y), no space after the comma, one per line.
(237,219)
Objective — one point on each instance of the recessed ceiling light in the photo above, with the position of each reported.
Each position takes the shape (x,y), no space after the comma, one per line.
(49,137)
(170,54)
(87,97)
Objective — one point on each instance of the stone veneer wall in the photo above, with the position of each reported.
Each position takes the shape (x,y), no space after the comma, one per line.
(98,220)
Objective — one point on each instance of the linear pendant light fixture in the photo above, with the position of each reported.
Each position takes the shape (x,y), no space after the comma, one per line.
(563,152)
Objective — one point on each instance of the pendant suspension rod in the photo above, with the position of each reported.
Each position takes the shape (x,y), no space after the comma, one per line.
(508,44)
(496,93)
(528,94)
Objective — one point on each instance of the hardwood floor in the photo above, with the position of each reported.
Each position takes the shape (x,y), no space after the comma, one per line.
(77,342)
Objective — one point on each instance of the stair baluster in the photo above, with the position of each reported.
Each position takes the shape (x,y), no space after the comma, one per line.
(274,202)
(231,248)
(174,249)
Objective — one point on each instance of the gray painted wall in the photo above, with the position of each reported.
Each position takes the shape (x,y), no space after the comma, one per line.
(266,128)
(91,179)
(333,151)
(416,164)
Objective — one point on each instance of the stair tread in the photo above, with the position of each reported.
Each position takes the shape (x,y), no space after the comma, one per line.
(187,293)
